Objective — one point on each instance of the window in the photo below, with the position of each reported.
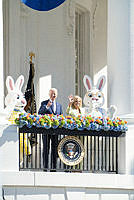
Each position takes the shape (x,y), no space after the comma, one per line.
(81,49)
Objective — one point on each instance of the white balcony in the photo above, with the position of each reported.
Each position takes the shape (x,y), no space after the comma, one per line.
(62,185)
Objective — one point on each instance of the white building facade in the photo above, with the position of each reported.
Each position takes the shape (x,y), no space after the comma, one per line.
(90,37)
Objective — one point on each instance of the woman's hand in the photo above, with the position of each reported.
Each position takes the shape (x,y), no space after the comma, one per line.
(70,97)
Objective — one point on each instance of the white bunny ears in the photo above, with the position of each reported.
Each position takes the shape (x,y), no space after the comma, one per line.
(88,83)
(18,84)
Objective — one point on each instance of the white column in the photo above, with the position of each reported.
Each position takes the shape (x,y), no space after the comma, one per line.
(132,53)
(130,116)
(121,73)
(1,75)
(1,56)
(119,70)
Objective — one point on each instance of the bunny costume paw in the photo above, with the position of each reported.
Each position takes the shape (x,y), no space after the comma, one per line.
(111,112)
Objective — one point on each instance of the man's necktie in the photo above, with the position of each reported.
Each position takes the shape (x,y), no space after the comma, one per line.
(53,106)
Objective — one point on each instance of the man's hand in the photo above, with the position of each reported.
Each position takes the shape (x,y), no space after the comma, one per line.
(49,104)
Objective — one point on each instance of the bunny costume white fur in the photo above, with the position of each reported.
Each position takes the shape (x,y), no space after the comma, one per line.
(14,99)
(94,99)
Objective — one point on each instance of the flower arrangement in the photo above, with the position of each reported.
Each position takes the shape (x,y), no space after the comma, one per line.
(68,122)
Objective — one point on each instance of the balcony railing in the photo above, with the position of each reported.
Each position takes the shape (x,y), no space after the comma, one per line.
(101,150)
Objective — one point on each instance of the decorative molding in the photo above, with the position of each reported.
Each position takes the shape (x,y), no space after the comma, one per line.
(94,15)
(70,17)
(24,10)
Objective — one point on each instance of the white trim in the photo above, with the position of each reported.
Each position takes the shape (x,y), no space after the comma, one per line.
(55,179)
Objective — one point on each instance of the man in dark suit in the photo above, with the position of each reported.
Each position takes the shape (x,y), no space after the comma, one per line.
(50,106)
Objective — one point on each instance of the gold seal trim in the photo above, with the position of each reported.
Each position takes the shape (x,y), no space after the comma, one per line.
(62,155)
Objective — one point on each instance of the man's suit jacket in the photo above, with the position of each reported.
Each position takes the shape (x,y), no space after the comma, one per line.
(43,110)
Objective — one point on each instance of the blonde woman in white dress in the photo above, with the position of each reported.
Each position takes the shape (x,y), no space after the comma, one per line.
(74,108)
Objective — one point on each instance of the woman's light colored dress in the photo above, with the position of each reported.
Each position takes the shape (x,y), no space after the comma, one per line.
(74,112)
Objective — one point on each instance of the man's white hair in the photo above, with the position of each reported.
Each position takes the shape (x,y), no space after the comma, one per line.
(53,89)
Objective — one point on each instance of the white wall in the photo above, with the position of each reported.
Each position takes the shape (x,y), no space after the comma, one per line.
(50,35)
(119,82)
(46,34)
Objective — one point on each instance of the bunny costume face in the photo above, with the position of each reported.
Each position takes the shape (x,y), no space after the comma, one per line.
(14,101)
(94,97)
(15,96)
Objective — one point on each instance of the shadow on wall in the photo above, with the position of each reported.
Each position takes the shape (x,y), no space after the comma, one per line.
(9,134)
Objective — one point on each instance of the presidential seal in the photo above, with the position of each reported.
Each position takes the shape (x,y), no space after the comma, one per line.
(71,150)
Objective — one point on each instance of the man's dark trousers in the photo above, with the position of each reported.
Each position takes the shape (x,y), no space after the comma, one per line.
(46,149)
(46,138)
